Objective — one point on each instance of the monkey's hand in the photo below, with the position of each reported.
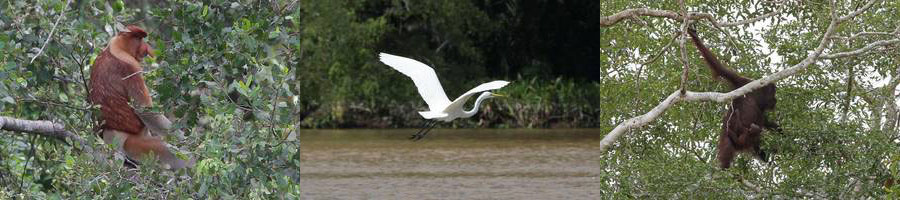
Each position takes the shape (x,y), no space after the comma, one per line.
(157,123)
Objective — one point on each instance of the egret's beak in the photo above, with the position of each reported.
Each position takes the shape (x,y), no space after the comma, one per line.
(497,95)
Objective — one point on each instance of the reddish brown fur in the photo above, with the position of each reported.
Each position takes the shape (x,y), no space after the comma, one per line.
(109,90)
(115,81)
(743,123)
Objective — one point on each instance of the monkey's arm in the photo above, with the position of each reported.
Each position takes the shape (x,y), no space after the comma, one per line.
(137,90)
(157,123)
(719,70)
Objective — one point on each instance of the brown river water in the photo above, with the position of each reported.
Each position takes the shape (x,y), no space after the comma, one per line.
(450,164)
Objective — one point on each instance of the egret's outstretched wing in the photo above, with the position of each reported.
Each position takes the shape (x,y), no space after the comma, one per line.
(424,78)
(493,85)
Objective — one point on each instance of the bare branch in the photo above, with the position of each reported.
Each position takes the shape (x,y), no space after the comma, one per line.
(857,12)
(747,21)
(860,34)
(47,129)
(43,128)
(635,12)
(865,49)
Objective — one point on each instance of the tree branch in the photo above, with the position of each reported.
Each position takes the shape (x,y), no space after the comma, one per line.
(860,34)
(43,128)
(747,21)
(635,12)
(865,49)
(858,11)
(47,129)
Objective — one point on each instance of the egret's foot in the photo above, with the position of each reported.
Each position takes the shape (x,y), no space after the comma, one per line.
(416,137)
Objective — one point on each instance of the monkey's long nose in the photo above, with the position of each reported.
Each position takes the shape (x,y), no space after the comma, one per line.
(150,52)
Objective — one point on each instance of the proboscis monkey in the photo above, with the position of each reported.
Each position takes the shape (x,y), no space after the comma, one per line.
(116,80)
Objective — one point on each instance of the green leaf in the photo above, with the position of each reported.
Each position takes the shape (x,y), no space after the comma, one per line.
(9,100)
(63,97)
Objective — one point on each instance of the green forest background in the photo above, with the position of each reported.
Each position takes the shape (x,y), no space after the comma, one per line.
(261,71)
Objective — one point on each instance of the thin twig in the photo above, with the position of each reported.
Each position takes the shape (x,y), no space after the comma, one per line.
(61,15)
(663,50)
(132,74)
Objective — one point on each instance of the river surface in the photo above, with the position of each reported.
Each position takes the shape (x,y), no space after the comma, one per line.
(450,164)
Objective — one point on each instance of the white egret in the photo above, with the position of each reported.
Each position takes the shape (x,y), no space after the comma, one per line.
(440,107)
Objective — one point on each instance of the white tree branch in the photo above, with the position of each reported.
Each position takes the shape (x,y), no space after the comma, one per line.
(43,128)
(635,12)
(747,21)
(47,129)
(858,11)
(860,34)
(865,49)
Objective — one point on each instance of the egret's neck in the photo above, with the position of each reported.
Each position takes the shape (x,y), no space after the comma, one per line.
(474,110)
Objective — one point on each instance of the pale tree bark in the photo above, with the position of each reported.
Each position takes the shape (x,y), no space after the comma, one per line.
(636,12)
(888,101)
(48,129)
(678,96)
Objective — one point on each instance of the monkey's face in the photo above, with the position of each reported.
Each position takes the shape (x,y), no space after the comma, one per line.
(133,43)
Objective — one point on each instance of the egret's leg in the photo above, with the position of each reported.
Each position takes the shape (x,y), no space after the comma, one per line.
(429,129)
(424,126)
(421,133)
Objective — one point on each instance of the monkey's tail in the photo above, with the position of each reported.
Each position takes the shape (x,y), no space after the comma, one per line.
(717,68)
